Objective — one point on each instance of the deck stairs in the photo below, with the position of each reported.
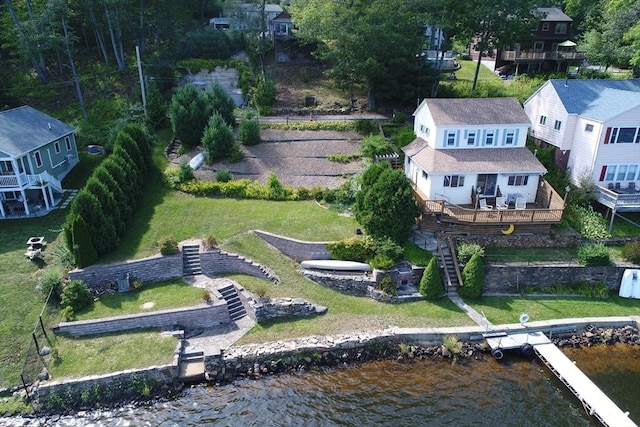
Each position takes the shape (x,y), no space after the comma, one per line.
(447,255)
(191,260)
(234,304)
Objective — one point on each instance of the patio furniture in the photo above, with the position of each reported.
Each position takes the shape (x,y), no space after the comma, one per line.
(521,203)
(501,203)
(484,206)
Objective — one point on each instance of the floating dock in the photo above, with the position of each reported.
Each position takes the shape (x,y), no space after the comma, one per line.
(595,402)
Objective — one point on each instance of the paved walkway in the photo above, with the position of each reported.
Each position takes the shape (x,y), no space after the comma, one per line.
(480,319)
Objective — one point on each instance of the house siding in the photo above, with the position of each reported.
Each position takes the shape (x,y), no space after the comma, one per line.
(585,148)
(545,102)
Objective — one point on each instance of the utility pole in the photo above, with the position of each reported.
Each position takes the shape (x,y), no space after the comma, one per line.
(142,89)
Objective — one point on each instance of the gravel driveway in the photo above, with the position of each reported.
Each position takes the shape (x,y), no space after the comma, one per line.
(298,158)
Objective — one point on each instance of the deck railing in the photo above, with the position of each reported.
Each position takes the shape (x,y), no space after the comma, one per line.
(619,201)
(514,55)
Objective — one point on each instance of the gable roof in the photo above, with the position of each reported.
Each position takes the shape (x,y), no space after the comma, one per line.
(553,14)
(473,160)
(24,129)
(475,111)
(598,99)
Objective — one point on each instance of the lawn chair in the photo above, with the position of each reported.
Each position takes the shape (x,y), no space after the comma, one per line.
(501,203)
(484,206)
(521,203)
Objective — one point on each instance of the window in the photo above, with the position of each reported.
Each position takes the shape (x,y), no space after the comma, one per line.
(424,130)
(631,173)
(611,173)
(543,120)
(509,137)
(454,181)
(588,128)
(557,125)
(67,142)
(56,146)
(622,172)
(518,180)
(36,155)
(538,46)
(471,138)
(622,135)
(451,139)
(561,28)
(488,140)
(545,26)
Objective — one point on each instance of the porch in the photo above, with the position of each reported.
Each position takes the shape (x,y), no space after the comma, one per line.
(537,217)
(619,199)
(14,209)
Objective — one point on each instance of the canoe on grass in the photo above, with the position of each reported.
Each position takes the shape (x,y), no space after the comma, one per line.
(338,265)
(197,161)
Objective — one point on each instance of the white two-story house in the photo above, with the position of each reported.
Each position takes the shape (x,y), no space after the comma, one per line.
(470,154)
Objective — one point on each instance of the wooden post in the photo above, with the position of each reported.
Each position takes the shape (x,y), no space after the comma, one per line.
(26,389)
(35,340)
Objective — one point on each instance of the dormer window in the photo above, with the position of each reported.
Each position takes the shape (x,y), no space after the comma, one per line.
(509,138)
(488,140)
(471,138)
(451,139)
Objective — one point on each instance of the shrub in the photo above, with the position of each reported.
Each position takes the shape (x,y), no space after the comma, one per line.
(136,284)
(352,249)
(466,250)
(387,248)
(593,290)
(209,243)
(399,117)
(185,173)
(388,286)
(76,295)
(51,279)
(249,130)
(375,145)
(631,252)
(260,289)
(206,296)
(223,175)
(594,254)
(403,136)
(68,314)
(590,224)
(168,246)
(381,262)
(276,191)
(472,278)
(366,127)
(217,139)
(431,282)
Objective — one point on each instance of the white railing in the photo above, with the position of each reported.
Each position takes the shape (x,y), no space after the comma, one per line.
(24,180)
(14,181)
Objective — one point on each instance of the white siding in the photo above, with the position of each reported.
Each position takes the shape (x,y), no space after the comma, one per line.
(585,146)
(545,102)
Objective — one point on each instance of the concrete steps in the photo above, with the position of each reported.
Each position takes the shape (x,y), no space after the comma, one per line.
(191,260)
(234,304)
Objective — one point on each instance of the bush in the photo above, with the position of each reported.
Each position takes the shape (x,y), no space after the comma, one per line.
(223,175)
(76,295)
(589,223)
(431,282)
(388,286)
(352,249)
(366,127)
(381,262)
(593,255)
(399,117)
(467,250)
(472,278)
(185,173)
(404,136)
(51,279)
(217,139)
(209,243)
(168,246)
(631,252)
(387,248)
(249,130)
(375,145)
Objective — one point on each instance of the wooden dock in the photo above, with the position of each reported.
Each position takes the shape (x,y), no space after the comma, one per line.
(595,402)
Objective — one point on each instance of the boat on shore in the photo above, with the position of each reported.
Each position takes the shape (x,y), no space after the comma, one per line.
(335,265)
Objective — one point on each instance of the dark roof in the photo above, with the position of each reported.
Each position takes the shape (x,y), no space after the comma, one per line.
(553,14)
(473,160)
(598,99)
(24,129)
(476,111)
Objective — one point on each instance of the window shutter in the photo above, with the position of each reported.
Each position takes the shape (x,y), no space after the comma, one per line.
(607,136)
(603,172)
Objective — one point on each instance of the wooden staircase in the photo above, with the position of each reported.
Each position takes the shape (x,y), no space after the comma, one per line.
(234,304)
(191,260)
(447,254)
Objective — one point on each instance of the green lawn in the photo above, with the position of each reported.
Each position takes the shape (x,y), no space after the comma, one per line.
(153,296)
(468,70)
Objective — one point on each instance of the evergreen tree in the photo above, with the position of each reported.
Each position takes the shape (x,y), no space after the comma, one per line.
(431,282)
(221,102)
(217,140)
(190,112)
(80,243)
(472,278)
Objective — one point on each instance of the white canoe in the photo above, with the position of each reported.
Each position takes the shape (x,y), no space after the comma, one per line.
(332,264)
(197,161)
(630,284)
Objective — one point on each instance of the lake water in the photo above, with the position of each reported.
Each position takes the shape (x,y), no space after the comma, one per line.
(514,391)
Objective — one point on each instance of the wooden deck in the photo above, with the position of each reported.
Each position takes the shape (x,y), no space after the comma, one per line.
(538,217)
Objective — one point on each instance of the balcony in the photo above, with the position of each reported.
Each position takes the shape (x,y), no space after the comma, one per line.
(537,217)
(11,182)
(620,199)
(527,56)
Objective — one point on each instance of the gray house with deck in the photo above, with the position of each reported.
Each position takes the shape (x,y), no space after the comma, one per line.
(36,152)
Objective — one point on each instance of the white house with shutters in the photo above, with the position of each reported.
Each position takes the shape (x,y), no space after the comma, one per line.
(468,147)
(595,125)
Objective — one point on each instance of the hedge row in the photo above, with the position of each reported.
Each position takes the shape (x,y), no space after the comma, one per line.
(99,213)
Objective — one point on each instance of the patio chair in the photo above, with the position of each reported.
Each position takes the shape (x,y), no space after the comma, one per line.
(632,186)
(501,203)
(484,206)
(521,203)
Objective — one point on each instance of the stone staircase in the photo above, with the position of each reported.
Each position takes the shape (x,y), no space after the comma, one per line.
(191,260)
(234,304)
(447,257)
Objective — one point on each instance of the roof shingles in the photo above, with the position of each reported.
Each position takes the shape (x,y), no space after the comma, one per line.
(476,111)
(25,129)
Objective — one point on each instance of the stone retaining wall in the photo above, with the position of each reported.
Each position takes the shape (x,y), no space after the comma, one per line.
(569,240)
(349,284)
(272,308)
(512,277)
(152,269)
(218,261)
(201,316)
(298,250)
